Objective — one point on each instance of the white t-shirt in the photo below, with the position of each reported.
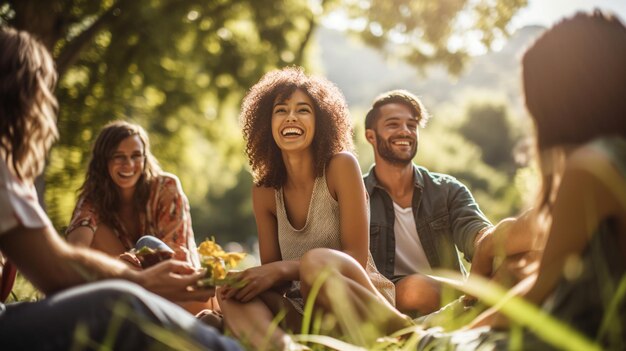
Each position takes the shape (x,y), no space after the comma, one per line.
(18,203)
(410,256)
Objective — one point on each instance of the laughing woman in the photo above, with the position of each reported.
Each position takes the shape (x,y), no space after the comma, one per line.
(311,211)
(126,195)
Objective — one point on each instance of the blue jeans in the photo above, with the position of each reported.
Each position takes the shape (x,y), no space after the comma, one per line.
(54,323)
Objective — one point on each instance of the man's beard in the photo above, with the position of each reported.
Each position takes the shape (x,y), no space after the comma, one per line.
(386,152)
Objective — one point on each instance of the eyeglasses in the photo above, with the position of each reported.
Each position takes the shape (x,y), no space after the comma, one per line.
(122,159)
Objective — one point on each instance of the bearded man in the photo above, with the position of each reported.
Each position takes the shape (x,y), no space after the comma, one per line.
(418,218)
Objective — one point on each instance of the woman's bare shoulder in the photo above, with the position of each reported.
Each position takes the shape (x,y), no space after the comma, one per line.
(263,198)
(342,162)
(342,172)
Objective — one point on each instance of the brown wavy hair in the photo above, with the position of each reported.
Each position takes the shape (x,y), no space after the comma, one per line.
(333,128)
(28,106)
(99,189)
(400,96)
(574,78)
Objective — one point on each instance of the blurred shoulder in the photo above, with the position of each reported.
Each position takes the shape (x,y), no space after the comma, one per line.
(603,159)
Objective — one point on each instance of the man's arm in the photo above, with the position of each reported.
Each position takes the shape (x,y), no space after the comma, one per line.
(466,219)
(52,265)
(509,238)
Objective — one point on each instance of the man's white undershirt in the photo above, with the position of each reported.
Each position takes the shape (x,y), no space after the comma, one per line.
(410,256)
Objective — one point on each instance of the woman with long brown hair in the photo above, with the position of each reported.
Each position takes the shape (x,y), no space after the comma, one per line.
(126,195)
(574,79)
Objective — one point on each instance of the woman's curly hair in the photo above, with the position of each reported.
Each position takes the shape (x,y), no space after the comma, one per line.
(99,189)
(333,128)
(27,104)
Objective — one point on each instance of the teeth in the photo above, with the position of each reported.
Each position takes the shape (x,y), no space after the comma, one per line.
(127,174)
(292,130)
(402,142)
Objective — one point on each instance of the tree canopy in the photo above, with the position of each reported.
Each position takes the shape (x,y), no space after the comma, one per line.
(180,69)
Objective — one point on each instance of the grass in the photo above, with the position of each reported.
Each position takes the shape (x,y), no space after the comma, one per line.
(23,290)
(316,328)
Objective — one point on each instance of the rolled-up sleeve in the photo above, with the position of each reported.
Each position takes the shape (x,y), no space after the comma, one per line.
(84,215)
(466,218)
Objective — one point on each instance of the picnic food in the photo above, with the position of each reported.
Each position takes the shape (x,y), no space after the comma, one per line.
(149,257)
(217,262)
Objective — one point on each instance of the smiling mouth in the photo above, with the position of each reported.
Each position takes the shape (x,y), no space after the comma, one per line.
(292,131)
(402,142)
(126,174)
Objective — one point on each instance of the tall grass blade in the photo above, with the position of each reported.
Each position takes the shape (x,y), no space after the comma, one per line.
(549,329)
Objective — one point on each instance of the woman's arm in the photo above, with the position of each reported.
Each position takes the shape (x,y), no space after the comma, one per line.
(346,185)
(81,236)
(273,271)
(591,190)
(83,225)
(264,207)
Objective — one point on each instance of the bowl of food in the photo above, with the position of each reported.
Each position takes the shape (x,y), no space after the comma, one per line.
(150,250)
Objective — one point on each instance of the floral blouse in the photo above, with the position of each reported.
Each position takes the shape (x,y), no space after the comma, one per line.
(166,217)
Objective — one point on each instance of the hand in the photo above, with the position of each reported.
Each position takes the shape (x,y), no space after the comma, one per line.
(491,318)
(482,262)
(175,280)
(131,260)
(248,284)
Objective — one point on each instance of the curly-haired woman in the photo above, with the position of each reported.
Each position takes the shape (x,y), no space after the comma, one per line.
(126,195)
(310,207)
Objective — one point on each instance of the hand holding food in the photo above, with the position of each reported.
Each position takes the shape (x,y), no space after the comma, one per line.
(217,262)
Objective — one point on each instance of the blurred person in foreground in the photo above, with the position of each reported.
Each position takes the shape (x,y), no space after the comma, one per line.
(75,304)
(574,79)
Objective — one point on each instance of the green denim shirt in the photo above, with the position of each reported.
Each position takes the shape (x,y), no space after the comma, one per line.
(446,216)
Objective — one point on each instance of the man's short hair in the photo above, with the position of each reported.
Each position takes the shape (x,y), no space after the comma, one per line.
(399,97)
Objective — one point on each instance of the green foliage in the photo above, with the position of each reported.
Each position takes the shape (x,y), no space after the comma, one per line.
(477,144)
(444,150)
(23,290)
(487,126)
(430,32)
(521,312)
(177,68)
(227,213)
(180,69)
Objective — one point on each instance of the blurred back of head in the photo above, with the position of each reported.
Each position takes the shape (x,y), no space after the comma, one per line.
(27,104)
(575,80)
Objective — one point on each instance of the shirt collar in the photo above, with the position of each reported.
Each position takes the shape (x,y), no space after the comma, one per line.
(371,181)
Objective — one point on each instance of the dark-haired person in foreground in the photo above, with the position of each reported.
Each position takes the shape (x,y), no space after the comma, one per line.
(76,306)
(574,80)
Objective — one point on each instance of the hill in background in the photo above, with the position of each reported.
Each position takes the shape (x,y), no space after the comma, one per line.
(362,72)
